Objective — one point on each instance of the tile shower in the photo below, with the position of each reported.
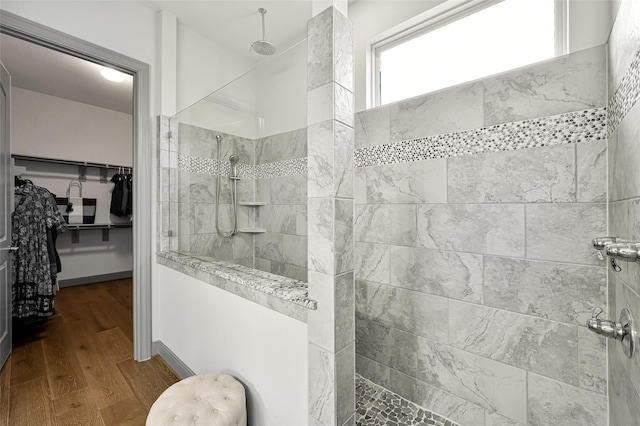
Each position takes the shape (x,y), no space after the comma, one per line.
(475,207)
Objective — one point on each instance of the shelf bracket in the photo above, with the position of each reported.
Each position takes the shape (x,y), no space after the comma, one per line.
(75,236)
(103,174)
(82,172)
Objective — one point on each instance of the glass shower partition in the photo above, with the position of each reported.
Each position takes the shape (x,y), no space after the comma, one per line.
(260,118)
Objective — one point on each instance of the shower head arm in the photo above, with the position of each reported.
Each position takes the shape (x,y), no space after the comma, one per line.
(264,31)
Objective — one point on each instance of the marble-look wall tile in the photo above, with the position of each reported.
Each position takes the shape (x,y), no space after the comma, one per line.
(321,146)
(494,419)
(269,246)
(196,188)
(330,160)
(592,171)
(563,232)
(386,345)
(450,110)
(320,49)
(472,228)
(343,236)
(418,313)
(343,50)
(568,83)
(204,218)
(360,185)
(280,147)
(373,371)
(632,277)
(592,361)
(263,190)
(437,400)
(321,235)
(332,325)
(211,245)
(361,298)
(445,273)
(330,101)
(290,271)
(372,127)
(419,182)
(502,388)
(278,218)
(386,224)
(545,347)
(623,395)
(372,262)
(243,248)
(289,190)
(322,390)
(626,297)
(561,292)
(295,249)
(301,219)
(522,176)
(554,403)
(623,44)
(345,384)
(196,141)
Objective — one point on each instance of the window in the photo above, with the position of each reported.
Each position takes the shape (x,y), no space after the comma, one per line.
(477,39)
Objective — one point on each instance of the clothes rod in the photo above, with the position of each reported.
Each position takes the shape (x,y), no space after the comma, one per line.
(82,165)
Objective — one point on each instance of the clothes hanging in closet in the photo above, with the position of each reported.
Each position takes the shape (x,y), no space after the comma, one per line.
(36,222)
(122,195)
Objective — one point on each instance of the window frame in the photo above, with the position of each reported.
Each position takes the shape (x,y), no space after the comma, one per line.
(437,17)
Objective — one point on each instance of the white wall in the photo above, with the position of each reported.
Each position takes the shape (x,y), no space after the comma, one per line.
(265,350)
(48,126)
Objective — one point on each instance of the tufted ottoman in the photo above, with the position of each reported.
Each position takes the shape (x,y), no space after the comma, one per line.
(205,399)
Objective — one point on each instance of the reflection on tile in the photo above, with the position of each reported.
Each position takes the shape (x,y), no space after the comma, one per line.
(450,110)
(531,175)
(444,273)
(418,182)
(502,388)
(563,232)
(545,347)
(417,313)
(568,83)
(561,292)
(555,403)
(386,224)
(472,228)
(592,171)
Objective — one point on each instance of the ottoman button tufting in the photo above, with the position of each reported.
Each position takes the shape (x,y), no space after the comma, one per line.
(206,399)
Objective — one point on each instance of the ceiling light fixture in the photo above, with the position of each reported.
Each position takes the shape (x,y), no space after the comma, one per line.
(112,75)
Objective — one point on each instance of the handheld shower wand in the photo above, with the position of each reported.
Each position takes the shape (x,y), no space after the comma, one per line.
(233,177)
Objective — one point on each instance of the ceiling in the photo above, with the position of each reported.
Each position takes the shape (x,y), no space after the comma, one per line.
(234,24)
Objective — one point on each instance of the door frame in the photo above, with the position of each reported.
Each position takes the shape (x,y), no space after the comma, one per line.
(25,29)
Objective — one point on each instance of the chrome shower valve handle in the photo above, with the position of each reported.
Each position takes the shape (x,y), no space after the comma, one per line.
(600,244)
(622,330)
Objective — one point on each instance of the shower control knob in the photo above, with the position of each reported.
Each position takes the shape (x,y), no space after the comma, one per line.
(622,330)
(601,243)
(624,251)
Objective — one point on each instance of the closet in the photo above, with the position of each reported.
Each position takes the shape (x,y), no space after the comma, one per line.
(71,136)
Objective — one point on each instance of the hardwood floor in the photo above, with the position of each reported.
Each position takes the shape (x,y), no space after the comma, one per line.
(76,368)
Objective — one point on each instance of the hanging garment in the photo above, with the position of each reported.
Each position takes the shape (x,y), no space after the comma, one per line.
(116,194)
(33,277)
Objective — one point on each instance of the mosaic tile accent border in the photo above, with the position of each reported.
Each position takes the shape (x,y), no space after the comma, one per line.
(565,128)
(376,405)
(626,95)
(296,166)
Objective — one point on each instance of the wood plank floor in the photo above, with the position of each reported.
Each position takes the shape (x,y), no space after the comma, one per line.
(76,368)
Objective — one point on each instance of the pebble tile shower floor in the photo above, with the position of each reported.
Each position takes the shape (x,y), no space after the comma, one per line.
(376,405)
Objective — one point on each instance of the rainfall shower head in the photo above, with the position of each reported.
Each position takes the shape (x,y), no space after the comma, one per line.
(263,47)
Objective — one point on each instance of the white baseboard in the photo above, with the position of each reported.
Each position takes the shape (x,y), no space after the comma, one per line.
(181,369)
